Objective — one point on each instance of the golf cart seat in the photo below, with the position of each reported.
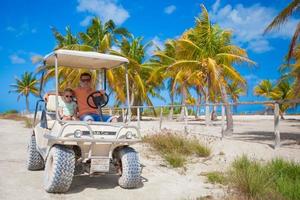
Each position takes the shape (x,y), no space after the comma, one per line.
(51,106)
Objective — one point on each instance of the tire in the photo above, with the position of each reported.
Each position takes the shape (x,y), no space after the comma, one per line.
(34,158)
(59,169)
(131,172)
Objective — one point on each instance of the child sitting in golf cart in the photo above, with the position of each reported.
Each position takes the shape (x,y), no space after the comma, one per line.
(67,107)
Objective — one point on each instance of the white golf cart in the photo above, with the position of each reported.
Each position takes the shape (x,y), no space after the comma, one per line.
(68,148)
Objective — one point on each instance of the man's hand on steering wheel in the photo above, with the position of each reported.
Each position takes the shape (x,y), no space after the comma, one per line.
(99,98)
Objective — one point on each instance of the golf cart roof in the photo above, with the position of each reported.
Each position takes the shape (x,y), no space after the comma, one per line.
(84,59)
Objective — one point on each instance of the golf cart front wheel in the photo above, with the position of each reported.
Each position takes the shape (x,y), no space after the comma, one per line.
(130,166)
(59,169)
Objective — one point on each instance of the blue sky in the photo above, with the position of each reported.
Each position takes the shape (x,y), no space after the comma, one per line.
(25,31)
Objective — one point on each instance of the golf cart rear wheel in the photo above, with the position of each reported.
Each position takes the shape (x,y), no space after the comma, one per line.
(34,159)
(59,169)
(130,166)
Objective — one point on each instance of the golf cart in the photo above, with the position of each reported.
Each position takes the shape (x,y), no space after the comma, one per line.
(68,148)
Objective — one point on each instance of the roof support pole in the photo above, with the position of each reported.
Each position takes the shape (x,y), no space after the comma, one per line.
(56,87)
(127,92)
(104,71)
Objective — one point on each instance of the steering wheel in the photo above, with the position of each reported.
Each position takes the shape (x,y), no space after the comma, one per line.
(100,100)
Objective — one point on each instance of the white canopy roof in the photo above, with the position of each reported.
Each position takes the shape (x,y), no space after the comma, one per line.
(84,59)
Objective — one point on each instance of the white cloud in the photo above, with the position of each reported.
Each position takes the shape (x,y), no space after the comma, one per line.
(35,58)
(86,21)
(21,30)
(116,48)
(249,23)
(259,46)
(170,9)
(105,9)
(15,59)
(10,29)
(216,6)
(157,42)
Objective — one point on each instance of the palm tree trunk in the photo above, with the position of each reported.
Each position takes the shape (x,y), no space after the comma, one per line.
(229,119)
(27,104)
(184,94)
(207,119)
(214,113)
(171,108)
(198,103)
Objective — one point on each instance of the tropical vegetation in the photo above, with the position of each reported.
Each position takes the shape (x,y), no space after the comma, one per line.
(292,66)
(277,92)
(204,58)
(196,67)
(25,86)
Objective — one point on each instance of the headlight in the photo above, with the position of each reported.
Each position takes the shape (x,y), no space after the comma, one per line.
(129,135)
(78,133)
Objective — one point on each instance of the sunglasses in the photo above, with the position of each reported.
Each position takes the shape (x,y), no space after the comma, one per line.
(86,80)
(67,96)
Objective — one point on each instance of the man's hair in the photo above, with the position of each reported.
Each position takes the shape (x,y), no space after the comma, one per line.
(85,74)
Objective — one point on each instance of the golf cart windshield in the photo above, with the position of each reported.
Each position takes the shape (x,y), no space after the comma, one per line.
(84,59)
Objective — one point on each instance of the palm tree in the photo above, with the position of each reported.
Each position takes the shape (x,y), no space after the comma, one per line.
(101,36)
(138,72)
(25,86)
(98,37)
(206,49)
(235,91)
(281,91)
(291,9)
(265,88)
(68,77)
(160,61)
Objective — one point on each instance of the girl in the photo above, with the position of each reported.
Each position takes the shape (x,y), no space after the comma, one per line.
(67,107)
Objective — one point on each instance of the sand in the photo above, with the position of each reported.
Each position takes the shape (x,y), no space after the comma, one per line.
(253,136)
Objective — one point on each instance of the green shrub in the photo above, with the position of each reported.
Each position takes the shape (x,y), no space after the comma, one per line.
(10,112)
(277,179)
(172,145)
(216,177)
(175,159)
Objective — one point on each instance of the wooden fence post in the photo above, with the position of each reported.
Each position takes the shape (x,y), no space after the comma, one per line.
(138,117)
(185,119)
(207,114)
(276,126)
(223,120)
(160,117)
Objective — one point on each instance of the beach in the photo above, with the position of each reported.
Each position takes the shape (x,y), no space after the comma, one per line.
(159,180)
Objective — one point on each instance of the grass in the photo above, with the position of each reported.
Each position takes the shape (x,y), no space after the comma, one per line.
(175,149)
(216,177)
(10,112)
(17,117)
(277,179)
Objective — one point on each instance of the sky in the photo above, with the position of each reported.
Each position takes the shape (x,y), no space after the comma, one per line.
(25,31)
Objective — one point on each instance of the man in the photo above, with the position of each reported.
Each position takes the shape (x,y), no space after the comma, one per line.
(85,112)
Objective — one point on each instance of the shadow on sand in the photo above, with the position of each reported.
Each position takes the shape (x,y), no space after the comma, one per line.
(267,137)
(108,181)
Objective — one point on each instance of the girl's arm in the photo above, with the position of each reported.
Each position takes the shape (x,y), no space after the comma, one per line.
(75,111)
(60,112)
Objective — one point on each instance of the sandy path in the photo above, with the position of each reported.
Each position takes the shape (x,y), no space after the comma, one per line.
(253,136)
(18,183)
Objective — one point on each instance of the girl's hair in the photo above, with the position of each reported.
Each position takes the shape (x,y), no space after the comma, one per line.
(68,90)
